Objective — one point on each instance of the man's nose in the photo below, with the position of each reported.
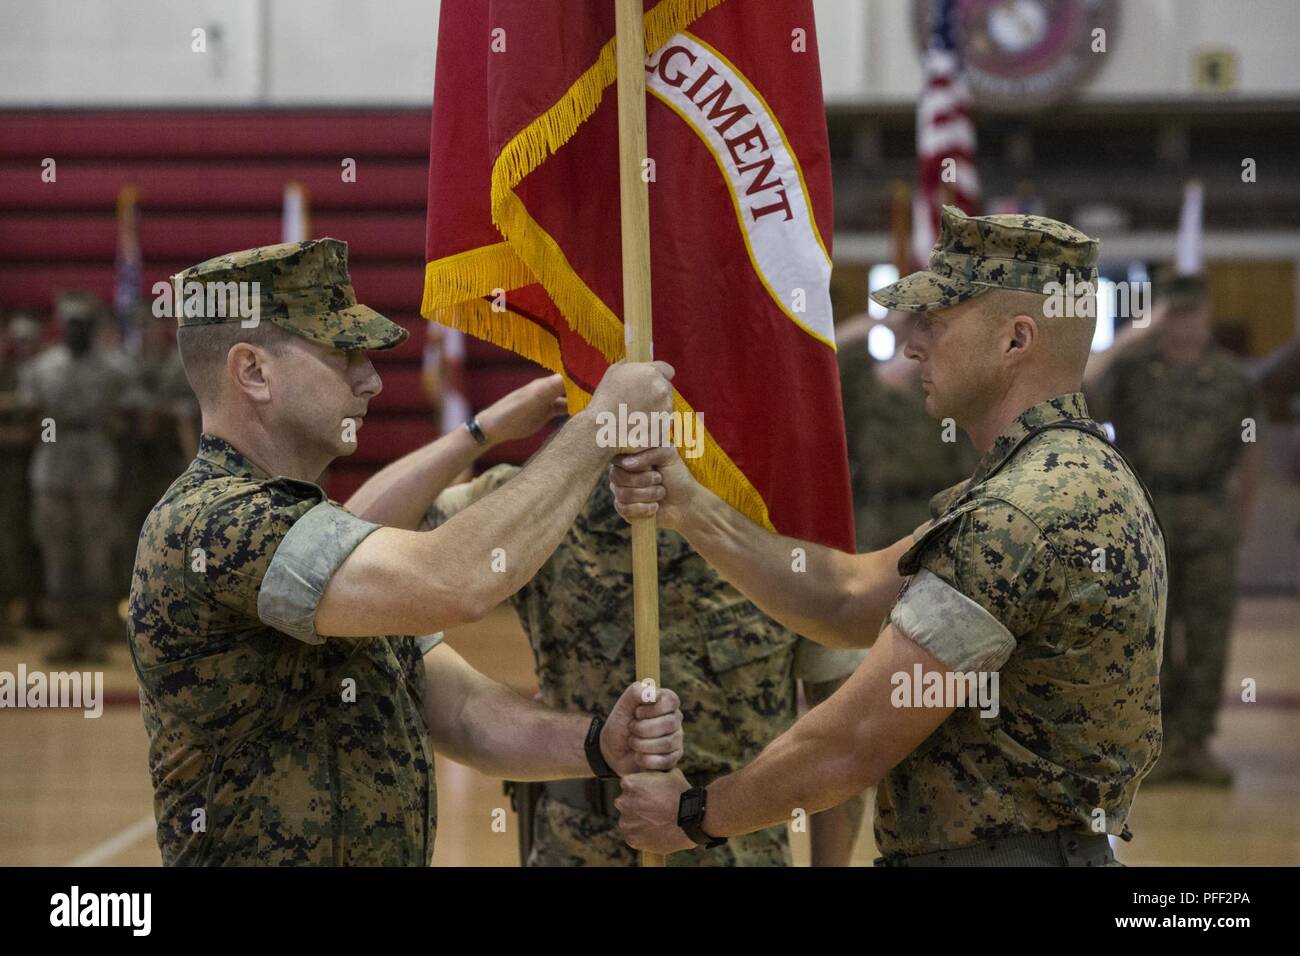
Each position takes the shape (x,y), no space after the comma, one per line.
(369,384)
(911,347)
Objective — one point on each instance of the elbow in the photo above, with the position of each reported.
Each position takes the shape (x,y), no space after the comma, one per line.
(454,595)
(471,600)
(445,604)
(465,607)
(852,768)
(850,638)
(474,610)
(845,618)
(832,639)
(846,777)
(844,627)
(481,596)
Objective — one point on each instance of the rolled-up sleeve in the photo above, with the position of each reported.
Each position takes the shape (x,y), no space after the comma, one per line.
(311,552)
(427,642)
(950,626)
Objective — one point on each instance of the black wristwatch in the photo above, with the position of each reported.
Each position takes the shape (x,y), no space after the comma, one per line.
(690,817)
(596,759)
(474,428)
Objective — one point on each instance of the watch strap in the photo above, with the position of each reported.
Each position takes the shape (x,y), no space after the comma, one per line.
(474,428)
(595,759)
(691,821)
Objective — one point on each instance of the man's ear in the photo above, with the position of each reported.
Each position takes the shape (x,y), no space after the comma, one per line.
(246,367)
(1022,334)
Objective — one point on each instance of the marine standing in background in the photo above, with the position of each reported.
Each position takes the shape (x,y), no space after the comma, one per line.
(1186,413)
(898,455)
(1278,376)
(19,558)
(78,394)
(161,438)
(738,669)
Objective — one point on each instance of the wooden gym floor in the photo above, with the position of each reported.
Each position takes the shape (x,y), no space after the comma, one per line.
(76,791)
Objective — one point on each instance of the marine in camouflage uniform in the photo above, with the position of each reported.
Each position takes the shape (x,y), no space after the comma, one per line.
(256,753)
(20,559)
(1052,554)
(157,445)
(1054,540)
(735,668)
(1047,567)
(1181,422)
(257,756)
(270,744)
(83,392)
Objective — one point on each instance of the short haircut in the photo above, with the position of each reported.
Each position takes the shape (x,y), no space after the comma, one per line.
(204,349)
(1068,338)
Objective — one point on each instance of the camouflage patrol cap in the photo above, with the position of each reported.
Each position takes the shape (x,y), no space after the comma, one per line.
(303,287)
(977,253)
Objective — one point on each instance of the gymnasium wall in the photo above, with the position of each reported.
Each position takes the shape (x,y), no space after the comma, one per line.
(296,52)
(213,181)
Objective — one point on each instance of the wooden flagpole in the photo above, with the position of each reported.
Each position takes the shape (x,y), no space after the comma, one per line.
(634,194)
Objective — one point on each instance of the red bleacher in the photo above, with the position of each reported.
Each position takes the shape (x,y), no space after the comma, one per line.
(213,181)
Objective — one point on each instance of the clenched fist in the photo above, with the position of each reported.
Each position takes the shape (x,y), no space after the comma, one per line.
(654,482)
(524,410)
(643,731)
(630,390)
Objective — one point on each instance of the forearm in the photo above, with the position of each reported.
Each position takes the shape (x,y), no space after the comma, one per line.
(479,722)
(399,495)
(830,597)
(812,767)
(504,735)
(833,833)
(832,754)
(505,538)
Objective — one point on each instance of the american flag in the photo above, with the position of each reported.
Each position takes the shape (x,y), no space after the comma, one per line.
(295,214)
(128,267)
(944,131)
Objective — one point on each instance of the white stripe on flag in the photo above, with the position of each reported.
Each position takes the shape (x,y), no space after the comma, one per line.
(955,135)
(1190,254)
(293,218)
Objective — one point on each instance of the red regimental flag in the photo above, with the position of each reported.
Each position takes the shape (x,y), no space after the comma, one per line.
(523,230)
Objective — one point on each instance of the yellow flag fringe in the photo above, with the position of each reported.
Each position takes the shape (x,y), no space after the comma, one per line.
(472,274)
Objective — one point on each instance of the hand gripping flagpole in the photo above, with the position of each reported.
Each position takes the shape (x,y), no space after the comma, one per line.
(634,193)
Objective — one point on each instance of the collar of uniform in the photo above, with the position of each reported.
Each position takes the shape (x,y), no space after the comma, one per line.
(1068,407)
(219,452)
